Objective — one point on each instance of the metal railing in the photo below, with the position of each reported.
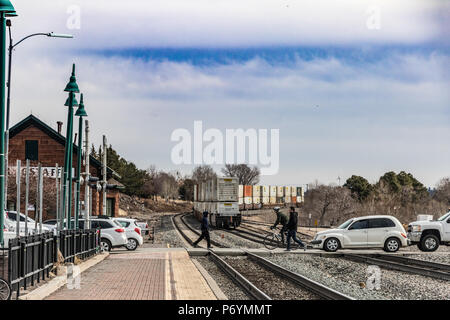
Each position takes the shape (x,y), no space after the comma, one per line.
(31,258)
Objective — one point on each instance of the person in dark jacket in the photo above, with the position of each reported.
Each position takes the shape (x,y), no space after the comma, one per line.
(205,231)
(281,219)
(292,229)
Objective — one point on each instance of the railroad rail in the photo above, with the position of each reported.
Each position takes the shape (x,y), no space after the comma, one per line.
(180,216)
(310,285)
(239,279)
(404,264)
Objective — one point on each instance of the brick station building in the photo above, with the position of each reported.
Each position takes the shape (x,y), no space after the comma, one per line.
(34,140)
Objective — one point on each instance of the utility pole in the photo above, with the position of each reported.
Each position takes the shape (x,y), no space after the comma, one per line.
(104,174)
(87,190)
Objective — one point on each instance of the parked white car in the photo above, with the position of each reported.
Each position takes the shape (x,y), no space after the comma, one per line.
(133,232)
(7,235)
(112,234)
(364,232)
(11,217)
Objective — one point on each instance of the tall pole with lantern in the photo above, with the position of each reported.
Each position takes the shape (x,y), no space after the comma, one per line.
(80,113)
(71,88)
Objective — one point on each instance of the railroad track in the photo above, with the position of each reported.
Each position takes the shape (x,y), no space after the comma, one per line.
(317,288)
(178,220)
(421,267)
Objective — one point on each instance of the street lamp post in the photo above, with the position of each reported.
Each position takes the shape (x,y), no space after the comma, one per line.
(71,88)
(8,99)
(81,112)
(6,9)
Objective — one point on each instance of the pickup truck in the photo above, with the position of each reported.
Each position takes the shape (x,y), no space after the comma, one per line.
(428,235)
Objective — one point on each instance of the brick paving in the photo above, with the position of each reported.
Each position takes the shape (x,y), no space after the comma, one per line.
(141,275)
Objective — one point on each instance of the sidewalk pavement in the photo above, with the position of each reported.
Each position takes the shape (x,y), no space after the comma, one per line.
(145,274)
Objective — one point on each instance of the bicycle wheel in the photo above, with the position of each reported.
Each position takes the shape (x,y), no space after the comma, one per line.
(5,290)
(271,241)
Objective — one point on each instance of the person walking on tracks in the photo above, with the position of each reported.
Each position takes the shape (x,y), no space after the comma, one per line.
(281,219)
(292,230)
(205,231)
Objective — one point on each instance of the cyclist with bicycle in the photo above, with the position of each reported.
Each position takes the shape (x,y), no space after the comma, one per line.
(281,219)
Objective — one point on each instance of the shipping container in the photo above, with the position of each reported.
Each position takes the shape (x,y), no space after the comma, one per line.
(293,191)
(287,191)
(256,191)
(241,191)
(256,200)
(299,199)
(272,200)
(272,191)
(293,199)
(280,200)
(265,191)
(248,191)
(300,192)
(241,200)
(248,200)
(287,199)
(280,192)
(265,200)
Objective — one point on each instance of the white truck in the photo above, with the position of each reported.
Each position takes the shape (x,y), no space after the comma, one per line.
(428,235)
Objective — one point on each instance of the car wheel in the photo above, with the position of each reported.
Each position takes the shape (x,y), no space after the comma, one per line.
(105,245)
(392,245)
(331,245)
(429,243)
(132,244)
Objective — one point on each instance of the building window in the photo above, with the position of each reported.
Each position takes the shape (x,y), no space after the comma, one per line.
(31,150)
(110,203)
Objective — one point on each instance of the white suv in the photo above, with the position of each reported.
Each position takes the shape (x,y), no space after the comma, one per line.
(133,232)
(364,232)
(112,234)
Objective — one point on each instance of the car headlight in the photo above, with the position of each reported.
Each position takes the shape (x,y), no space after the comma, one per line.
(416,228)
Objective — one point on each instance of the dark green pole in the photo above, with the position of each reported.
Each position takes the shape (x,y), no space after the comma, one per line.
(2,120)
(80,113)
(6,10)
(71,102)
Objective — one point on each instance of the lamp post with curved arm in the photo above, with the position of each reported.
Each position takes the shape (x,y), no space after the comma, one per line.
(8,98)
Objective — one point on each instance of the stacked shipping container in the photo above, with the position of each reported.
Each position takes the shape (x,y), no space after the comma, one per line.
(255,196)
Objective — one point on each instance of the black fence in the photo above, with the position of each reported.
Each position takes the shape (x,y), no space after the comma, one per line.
(31,258)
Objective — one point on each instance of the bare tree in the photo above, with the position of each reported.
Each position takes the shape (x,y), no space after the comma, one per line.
(203,173)
(245,174)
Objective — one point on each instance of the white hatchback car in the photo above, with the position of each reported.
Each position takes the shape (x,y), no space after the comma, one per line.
(133,231)
(363,232)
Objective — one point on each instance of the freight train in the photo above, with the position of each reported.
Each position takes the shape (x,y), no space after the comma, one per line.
(219,196)
(257,197)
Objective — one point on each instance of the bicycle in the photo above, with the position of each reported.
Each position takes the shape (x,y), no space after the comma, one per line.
(273,240)
(5,290)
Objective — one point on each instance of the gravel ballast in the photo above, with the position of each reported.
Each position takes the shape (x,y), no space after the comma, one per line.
(166,235)
(271,284)
(350,278)
(228,287)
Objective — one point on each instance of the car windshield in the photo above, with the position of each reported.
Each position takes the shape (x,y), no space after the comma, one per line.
(445,216)
(345,224)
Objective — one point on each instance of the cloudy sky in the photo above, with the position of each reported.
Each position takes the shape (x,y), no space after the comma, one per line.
(355,87)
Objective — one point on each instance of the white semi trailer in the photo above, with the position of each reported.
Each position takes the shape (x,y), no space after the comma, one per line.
(219,197)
